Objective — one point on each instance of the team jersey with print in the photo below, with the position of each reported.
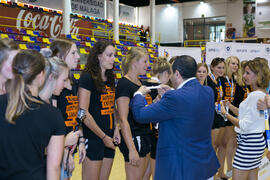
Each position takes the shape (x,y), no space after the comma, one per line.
(23,144)
(67,102)
(229,86)
(126,88)
(101,105)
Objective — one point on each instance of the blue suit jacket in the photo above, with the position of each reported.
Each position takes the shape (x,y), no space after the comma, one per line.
(184,150)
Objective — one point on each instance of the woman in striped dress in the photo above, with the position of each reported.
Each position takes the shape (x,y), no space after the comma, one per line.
(250,123)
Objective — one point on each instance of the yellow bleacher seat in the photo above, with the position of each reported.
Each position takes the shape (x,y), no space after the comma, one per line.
(93,39)
(119,53)
(129,48)
(150,45)
(117,60)
(118,75)
(76,76)
(118,42)
(30,32)
(82,51)
(88,44)
(82,66)
(148,75)
(3,36)
(152,56)
(27,39)
(22,46)
(202,48)
(100,28)
(74,37)
(46,40)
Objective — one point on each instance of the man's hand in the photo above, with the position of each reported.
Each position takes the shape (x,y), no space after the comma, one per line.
(143,90)
(163,88)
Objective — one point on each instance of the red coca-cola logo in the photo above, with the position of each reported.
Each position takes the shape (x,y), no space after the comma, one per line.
(44,22)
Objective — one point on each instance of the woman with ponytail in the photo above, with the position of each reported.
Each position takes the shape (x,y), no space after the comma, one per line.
(28,125)
(8,49)
(136,144)
(161,72)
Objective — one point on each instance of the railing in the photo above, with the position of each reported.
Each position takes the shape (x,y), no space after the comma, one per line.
(15,19)
(195,43)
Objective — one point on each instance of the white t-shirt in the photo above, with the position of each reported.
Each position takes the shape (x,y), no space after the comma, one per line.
(251,120)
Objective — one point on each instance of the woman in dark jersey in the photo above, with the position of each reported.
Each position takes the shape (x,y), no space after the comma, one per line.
(233,81)
(160,74)
(215,80)
(137,137)
(97,97)
(201,75)
(67,101)
(28,125)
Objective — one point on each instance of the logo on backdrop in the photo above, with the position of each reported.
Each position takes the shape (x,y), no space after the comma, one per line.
(228,48)
(267,50)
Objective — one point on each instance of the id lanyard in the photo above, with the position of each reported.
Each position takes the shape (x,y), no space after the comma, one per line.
(267,131)
(220,90)
(231,87)
(247,90)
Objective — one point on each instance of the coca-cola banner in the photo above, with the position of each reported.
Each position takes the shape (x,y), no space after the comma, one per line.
(93,8)
(54,4)
(50,24)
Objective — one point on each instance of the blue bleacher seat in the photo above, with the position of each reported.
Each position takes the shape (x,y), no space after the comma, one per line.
(36,47)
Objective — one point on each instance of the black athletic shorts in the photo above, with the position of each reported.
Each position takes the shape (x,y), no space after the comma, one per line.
(95,148)
(219,121)
(142,144)
(153,152)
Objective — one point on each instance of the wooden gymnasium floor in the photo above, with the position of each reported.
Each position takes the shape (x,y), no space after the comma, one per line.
(118,169)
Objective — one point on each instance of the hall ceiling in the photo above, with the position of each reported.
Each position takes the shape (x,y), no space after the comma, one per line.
(139,3)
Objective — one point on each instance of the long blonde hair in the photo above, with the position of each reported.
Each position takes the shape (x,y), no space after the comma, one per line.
(134,54)
(236,75)
(25,67)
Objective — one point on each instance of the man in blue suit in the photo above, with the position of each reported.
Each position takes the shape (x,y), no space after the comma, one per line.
(185,116)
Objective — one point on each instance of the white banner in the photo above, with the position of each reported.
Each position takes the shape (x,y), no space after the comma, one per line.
(244,51)
(45,3)
(93,8)
(169,52)
(126,13)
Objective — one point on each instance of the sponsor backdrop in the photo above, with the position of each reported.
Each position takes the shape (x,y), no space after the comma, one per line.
(93,8)
(169,52)
(48,23)
(244,51)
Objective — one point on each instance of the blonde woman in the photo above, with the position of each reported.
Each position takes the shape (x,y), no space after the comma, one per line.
(233,77)
(161,72)
(28,125)
(136,137)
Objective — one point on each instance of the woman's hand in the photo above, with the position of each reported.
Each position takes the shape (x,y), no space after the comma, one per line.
(72,138)
(108,142)
(82,152)
(116,136)
(223,110)
(133,158)
(163,88)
